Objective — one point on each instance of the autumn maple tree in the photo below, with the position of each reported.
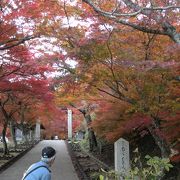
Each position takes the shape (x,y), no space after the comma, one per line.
(136,83)
(125,64)
(19,91)
(114,58)
(23,82)
(19,71)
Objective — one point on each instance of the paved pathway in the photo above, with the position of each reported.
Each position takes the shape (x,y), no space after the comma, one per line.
(62,169)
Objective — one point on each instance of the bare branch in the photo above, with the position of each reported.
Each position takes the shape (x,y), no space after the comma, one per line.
(122,98)
(132,5)
(15,42)
(9,73)
(167,28)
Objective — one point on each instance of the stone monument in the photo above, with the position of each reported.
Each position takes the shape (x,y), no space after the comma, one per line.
(69,124)
(18,134)
(38,131)
(121,148)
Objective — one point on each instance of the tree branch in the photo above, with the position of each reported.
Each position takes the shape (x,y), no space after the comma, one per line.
(16,42)
(122,98)
(167,28)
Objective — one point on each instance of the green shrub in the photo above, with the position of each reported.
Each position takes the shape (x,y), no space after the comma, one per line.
(153,171)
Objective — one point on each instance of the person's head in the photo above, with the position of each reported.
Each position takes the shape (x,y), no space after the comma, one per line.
(48,155)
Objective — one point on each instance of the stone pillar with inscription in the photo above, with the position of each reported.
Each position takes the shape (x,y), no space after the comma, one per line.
(38,131)
(121,147)
(30,135)
(69,124)
(18,134)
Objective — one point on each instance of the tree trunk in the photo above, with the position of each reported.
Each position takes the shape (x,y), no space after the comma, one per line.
(91,134)
(160,141)
(92,139)
(6,151)
(12,131)
(25,133)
